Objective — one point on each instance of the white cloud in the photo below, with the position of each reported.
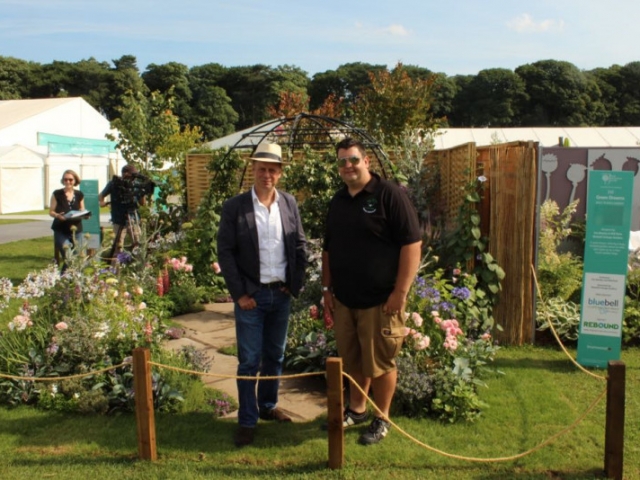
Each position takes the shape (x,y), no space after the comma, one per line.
(526,24)
(396,30)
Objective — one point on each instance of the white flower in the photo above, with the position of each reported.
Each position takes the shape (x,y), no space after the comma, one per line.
(482,179)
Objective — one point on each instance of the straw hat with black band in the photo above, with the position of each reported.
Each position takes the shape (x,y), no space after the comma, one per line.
(267,152)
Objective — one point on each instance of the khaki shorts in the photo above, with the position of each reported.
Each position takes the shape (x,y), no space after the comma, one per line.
(368,340)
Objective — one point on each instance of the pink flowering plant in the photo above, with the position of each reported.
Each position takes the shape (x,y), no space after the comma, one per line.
(449,345)
(89,318)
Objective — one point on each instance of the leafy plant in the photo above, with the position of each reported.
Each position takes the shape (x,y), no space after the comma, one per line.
(559,273)
(564,316)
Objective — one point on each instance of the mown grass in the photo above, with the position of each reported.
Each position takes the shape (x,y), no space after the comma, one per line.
(19,258)
(540,394)
(9,221)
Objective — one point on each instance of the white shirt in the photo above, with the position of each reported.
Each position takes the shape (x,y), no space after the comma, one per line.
(273,260)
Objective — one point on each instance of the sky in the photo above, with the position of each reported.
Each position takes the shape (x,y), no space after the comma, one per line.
(453,37)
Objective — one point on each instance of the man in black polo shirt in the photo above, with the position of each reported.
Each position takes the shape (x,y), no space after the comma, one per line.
(371,254)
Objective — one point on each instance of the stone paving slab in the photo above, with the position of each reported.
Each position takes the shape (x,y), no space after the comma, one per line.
(304,399)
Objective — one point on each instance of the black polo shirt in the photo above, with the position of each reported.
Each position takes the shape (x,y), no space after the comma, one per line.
(364,236)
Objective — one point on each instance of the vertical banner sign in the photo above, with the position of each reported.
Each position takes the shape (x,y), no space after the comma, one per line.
(606,253)
(91,225)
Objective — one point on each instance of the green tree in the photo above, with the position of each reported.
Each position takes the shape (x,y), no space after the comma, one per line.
(171,77)
(125,79)
(394,105)
(346,83)
(16,77)
(460,115)
(559,95)
(150,136)
(497,96)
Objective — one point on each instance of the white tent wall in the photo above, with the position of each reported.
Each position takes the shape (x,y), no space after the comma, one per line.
(21,180)
(61,116)
(95,168)
(54,168)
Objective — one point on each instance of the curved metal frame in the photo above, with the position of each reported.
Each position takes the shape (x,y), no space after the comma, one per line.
(320,126)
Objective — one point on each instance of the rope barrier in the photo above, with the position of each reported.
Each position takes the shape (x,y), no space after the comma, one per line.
(222,375)
(557,337)
(68,377)
(403,432)
(477,459)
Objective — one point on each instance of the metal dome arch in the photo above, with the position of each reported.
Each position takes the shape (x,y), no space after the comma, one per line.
(317,131)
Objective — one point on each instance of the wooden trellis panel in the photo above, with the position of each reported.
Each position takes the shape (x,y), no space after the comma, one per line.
(198,179)
(457,168)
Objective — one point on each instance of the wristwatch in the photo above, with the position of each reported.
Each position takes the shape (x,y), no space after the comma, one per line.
(325,289)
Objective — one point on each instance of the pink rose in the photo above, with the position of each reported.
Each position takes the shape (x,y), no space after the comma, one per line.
(216,267)
(417,319)
(61,326)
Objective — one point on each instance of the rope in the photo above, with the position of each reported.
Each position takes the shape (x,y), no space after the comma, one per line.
(57,379)
(222,375)
(477,459)
(557,337)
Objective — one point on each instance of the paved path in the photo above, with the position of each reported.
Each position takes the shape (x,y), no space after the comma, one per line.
(39,226)
(303,399)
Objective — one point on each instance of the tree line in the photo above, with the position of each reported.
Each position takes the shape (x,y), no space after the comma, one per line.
(220,100)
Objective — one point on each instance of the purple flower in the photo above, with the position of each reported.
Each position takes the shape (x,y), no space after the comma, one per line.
(123,258)
(461,292)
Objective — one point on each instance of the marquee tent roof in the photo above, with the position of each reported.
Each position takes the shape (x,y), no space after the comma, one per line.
(451,137)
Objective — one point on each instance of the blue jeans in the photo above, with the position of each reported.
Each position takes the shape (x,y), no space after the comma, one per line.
(261,335)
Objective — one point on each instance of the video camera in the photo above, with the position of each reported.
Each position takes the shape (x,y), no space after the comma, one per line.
(133,188)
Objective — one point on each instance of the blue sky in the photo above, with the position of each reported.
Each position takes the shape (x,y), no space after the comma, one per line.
(453,37)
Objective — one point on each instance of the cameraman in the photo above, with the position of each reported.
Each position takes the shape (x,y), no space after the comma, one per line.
(125,200)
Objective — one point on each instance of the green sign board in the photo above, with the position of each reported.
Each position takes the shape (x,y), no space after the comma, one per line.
(609,205)
(91,225)
(76,145)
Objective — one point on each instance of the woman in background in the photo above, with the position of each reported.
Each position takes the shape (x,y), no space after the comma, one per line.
(63,201)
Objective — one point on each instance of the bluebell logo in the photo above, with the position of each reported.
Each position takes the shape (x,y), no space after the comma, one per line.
(603,303)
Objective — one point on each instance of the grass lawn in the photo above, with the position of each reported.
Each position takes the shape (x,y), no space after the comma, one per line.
(17,259)
(540,393)
(8,221)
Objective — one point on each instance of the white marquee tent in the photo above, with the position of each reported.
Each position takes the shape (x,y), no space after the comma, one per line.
(452,137)
(60,134)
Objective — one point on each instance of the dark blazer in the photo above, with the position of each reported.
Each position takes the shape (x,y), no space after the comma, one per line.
(238,245)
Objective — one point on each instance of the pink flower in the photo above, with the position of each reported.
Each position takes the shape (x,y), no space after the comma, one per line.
(216,267)
(417,336)
(423,343)
(406,331)
(313,311)
(435,314)
(417,319)
(188,267)
(61,326)
(456,271)
(486,337)
(142,306)
(137,290)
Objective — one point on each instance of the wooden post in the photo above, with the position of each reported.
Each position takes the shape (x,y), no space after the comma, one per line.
(145,419)
(614,429)
(335,412)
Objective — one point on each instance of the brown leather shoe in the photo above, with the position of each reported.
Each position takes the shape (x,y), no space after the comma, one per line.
(275,414)
(244,436)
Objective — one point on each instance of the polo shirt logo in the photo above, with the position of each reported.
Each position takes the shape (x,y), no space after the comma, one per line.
(370,205)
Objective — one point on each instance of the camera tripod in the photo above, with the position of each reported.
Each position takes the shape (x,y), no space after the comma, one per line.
(132,226)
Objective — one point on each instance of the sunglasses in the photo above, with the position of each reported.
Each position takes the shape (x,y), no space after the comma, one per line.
(342,162)
(69,179)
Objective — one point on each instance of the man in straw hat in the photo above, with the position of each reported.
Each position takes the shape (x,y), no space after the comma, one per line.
(262,254)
